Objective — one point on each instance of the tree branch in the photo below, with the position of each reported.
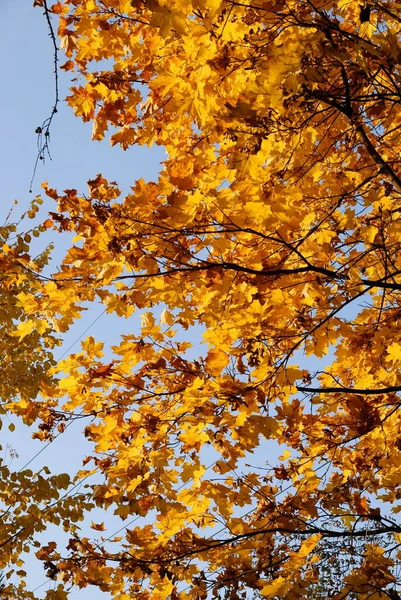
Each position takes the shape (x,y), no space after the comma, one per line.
(43,132)
(345,390)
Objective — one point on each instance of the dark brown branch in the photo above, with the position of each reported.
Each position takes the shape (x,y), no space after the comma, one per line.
(385,167)
(226,266)
(43,132)
(346,390)
(325,533)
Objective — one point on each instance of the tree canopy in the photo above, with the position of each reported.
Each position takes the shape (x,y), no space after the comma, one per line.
(274,232)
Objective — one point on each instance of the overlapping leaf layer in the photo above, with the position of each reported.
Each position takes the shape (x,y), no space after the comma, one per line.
(273,231)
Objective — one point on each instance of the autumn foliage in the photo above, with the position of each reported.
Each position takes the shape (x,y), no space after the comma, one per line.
(273,233)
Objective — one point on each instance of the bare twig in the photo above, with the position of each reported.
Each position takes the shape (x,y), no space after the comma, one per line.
(43,132)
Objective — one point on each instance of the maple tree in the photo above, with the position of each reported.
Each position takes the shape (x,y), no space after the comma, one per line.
(274,229)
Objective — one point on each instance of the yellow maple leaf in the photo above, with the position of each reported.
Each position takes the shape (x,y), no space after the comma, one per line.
(274,588)
(394,352)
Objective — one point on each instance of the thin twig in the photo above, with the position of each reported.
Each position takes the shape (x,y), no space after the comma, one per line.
(43,132)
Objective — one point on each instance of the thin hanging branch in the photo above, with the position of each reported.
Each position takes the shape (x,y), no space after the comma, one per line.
(43,132)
